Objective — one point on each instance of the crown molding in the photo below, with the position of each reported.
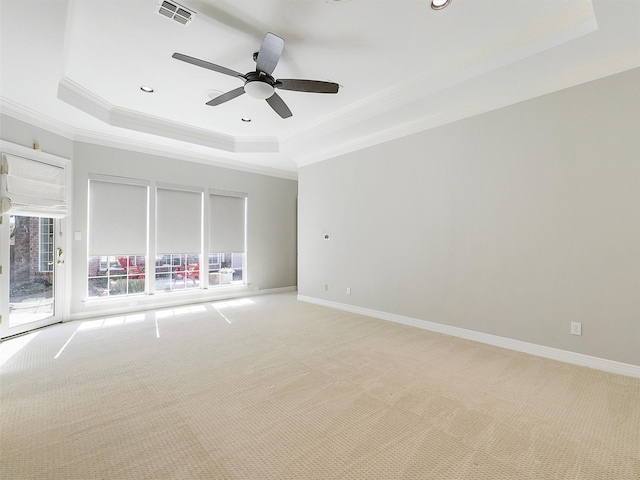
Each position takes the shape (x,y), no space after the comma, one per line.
(180,154)
(385,116)
(581,74)
(23,114)
(556,28)
(77,96)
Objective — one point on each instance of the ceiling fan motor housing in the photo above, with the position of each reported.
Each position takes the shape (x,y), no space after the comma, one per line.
(259,85)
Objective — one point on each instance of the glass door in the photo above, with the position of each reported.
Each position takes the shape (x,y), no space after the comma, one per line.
(31,259)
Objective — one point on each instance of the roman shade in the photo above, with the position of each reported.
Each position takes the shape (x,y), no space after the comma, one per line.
(118,217)
(178,221)
(227,222)
(32,188)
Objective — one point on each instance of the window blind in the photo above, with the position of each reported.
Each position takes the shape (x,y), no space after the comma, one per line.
(117,218)
(227,223)
(33,188)
(178,221)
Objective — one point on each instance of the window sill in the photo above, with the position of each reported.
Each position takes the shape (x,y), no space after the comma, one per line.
(148,298)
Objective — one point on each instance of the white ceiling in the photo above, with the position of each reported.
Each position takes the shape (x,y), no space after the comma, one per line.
(75,67)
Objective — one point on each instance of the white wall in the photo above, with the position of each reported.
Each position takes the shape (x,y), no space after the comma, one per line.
(512,223)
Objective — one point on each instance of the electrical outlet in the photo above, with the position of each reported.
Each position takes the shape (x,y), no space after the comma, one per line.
(348,290)
(576,328)
(326,287)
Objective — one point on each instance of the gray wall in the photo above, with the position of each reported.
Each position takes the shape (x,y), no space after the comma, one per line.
(271,210)
(25,134)
(513,223)
(271,213)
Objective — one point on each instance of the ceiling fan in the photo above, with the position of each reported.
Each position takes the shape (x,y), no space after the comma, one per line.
(259,83)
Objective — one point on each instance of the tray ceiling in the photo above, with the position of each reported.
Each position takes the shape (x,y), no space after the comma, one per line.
(78,66)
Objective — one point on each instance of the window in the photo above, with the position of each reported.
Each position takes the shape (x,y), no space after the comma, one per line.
(227,238)
(228,270)
(177,272)
(116,275)
(117,236)
(46,245)
(178,238)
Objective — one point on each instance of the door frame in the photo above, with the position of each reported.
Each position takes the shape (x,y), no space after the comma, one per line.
(61,241)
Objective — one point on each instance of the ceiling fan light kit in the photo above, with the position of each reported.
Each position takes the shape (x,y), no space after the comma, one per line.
(258,89)
(440,4)
(260,84)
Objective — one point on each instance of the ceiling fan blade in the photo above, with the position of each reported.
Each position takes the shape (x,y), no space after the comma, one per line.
(313,86)
(209,65)
(269,53)
(279,106)
(225,97)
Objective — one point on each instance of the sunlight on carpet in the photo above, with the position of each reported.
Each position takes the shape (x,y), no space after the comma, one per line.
(272,388)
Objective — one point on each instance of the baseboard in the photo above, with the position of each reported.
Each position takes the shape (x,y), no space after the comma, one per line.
(117,306)
(517,345)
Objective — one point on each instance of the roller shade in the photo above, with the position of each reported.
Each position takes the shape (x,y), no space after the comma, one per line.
(30,187)
(178,221)
(227,221)
(117,218)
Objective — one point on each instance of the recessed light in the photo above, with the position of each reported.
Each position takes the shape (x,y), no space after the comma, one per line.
(440,4)
(245,119)
(146,89)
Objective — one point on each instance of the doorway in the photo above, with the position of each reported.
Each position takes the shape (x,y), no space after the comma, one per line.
(34,258)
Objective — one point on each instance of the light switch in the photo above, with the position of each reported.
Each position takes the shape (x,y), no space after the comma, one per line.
(77,235)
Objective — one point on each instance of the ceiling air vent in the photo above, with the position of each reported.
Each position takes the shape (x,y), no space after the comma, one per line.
(175,11)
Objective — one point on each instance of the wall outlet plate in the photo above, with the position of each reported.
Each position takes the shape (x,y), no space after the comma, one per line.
(576,328)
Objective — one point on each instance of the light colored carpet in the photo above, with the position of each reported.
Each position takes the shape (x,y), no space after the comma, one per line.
(271,388)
